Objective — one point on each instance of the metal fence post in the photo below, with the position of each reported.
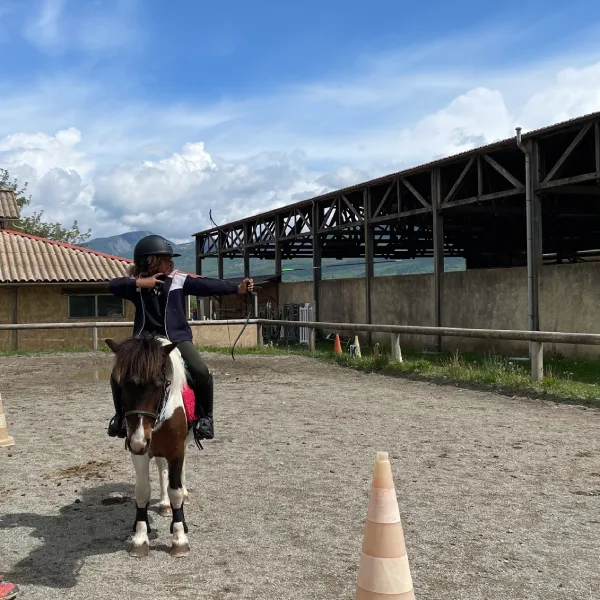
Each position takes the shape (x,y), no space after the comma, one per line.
(95,339)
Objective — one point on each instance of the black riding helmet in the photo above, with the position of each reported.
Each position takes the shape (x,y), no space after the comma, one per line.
(152,245)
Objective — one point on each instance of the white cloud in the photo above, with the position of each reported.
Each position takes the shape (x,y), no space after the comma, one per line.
(119,166)
(92,27)
(574,92)
(43,31)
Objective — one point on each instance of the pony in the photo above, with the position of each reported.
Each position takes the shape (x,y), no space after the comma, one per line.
(158,415)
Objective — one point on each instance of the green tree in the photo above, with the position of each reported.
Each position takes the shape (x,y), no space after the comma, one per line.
(34,225)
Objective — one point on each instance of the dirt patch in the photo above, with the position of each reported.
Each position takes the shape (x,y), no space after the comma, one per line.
(92,469)
(498,496)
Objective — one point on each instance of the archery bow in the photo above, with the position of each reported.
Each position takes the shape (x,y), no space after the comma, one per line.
(251,294)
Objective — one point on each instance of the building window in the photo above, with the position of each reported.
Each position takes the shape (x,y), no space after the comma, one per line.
(87,306)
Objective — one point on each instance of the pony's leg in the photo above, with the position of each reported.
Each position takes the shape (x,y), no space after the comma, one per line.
(180,545)
(186,494)
(140,543)
(164,508)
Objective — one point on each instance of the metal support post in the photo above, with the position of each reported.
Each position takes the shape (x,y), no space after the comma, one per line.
(369,262)
(199,301)
(95,339)
(317,270)
(534,252)
(246,252)
(438,252)
(277,246)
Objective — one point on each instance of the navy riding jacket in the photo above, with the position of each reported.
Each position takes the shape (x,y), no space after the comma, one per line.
(177,285)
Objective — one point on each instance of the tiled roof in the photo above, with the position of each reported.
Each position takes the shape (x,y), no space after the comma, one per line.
(29,259)
(8,205)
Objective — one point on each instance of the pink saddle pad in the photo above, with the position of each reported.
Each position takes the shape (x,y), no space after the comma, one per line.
(189,401)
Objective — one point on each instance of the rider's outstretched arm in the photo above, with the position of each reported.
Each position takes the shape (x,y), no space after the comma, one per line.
(123,287)
(205,286)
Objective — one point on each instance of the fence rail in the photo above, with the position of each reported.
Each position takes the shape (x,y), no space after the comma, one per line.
(537,337)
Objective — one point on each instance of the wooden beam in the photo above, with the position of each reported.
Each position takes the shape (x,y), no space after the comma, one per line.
(484,198)
(506,174)
(416,193)
(459,180)
(567,153)
(385,197)
(569,180)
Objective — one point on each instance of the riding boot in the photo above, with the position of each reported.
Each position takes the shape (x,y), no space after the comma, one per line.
(204,425)
(116,427)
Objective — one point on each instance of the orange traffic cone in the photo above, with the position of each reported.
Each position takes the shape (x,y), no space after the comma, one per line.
(384,573)
(5,439)
(337,346)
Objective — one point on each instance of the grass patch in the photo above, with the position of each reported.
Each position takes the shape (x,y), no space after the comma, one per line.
(565,379)
(6,353)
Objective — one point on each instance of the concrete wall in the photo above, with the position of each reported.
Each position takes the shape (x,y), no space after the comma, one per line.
(223,336)
(488,299)
(46,304)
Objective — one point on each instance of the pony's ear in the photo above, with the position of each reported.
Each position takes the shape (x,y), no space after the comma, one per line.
(114,346)
(169,348)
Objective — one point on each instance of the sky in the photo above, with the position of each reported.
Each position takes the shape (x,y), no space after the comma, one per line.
(146,114)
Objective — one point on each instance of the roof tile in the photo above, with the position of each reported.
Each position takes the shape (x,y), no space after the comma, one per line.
(29,259)
(8,205)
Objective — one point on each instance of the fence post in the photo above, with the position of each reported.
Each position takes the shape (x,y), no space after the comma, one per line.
(259,335)
(537,361)
(95,339)
(312,339)
(396,350)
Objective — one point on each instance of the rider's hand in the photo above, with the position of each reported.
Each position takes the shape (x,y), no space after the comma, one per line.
(148,282)
(246,286)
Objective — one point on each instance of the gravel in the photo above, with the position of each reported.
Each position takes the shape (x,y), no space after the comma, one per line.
(499,497)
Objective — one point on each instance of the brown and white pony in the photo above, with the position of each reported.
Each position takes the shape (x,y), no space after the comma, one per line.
(152,376)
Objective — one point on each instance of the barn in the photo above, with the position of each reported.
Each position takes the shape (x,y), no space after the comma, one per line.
(44,281)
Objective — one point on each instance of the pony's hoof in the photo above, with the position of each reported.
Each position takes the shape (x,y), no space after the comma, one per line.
(180,551)
(139,551)
(165,511)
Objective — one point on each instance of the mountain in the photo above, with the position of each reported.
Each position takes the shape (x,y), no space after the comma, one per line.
(299,269)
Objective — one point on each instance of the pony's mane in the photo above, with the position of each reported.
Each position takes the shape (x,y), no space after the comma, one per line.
(141,359)
(177,370)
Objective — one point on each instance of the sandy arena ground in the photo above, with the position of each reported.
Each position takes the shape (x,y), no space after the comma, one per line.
(499,497)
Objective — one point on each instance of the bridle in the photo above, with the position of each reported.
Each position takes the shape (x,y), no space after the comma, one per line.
(158,416)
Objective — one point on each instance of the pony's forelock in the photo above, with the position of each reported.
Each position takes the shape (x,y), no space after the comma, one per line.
(141,359)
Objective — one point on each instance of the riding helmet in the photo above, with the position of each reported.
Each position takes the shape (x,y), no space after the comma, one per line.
(152,245)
